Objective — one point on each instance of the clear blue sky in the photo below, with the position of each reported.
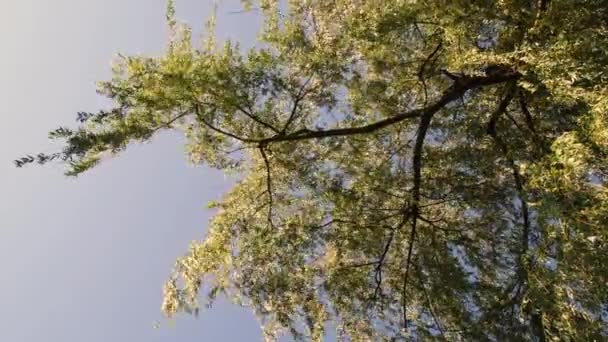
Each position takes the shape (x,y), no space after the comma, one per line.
(84,259)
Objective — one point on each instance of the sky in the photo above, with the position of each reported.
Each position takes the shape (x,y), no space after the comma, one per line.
(84,259)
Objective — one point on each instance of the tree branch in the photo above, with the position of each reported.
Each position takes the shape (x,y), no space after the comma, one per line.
(501,109)
(542,5)
(407,269)
(421,77)
(432,311)
(524,109)
(256,119)
(382,259)
(268,185)
(535,316)
(491,130)
(299,96)
(247,113)
(460,86)
(199,116)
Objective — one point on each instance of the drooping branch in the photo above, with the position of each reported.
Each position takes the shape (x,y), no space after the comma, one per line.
(268,185)
(462,83)
(408,263)
(74,149)
(423,127)
(432,311)
(535,316)
(491,130)
(454,92)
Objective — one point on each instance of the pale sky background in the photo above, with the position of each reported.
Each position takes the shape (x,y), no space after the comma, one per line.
(85,259)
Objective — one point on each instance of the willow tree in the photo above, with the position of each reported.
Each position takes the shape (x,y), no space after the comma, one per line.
(407,169)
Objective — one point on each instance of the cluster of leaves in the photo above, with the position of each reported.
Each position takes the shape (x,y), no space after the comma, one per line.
(410,169)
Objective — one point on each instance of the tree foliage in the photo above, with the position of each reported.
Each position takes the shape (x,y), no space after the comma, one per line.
(407,169)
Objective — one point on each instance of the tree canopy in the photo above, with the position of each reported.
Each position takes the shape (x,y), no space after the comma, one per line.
(407,170)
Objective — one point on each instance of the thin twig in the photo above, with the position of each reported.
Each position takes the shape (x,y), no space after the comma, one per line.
(215,129)
(299,96)
(422,70)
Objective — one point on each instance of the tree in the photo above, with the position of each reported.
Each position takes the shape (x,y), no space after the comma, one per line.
(407,169)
